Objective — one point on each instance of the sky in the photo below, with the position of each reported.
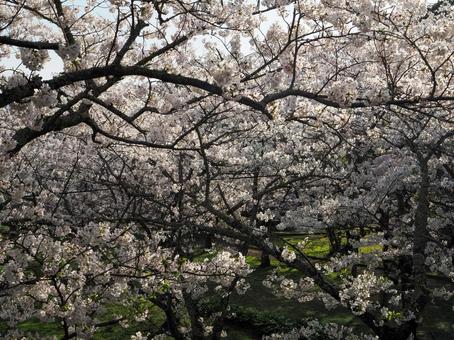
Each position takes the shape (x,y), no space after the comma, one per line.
(55,65)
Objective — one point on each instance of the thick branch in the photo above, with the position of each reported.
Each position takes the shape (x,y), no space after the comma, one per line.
(26,135)
(37,45)
(18,93)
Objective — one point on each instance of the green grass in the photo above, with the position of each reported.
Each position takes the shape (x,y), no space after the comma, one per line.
(317,246)
(44,330)
(262,300)
(370,249)
(438,319)
(112,332)
(253,261)
(35,326)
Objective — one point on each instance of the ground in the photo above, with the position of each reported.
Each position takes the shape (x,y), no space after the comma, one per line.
(260,301)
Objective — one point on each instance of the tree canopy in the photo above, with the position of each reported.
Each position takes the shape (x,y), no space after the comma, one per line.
(179,135)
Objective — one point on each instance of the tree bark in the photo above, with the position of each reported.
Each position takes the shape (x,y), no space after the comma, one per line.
(265,261)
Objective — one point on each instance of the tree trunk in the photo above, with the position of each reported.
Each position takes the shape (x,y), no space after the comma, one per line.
(265,261)
(401,332)
(421,236)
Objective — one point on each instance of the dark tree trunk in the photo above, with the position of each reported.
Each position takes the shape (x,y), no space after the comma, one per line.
(401,332)
(265,261)
(208,241)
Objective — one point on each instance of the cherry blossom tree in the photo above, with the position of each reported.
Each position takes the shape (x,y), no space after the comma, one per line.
(181,129)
